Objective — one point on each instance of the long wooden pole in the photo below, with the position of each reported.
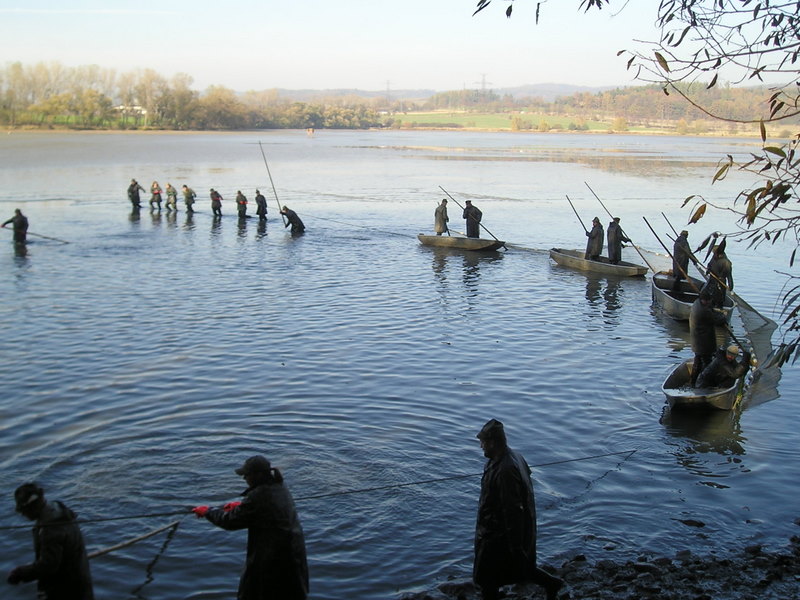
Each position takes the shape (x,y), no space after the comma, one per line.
(280,208)
(727,326)
(622,230)
(47,237)
(462,208)
(577,215)
(706,274)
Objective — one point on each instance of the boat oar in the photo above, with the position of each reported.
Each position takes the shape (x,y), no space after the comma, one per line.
(577,215)
(635,247)
(280,208)
(47,237)
(479,223)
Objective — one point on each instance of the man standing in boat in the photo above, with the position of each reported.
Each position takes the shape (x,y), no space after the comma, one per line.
(703,319)
(594,245)
(292,219)
(724,370)
(680,259)
(440,218)
(720,275)
(615,238)
(505,532)
(473,216)
(61,567)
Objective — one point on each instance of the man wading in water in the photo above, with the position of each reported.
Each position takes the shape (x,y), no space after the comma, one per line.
(505,532)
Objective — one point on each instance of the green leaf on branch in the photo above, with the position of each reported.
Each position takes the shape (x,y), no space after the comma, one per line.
(662,62)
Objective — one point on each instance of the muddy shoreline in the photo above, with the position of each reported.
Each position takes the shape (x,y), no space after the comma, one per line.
(750,574)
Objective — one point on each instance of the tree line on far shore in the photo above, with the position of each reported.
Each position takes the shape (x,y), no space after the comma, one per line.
(47,95)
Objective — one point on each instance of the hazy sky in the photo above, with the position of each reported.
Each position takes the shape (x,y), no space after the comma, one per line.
(319,44)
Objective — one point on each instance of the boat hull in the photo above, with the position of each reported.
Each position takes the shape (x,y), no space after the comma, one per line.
(459,242)
(574,259)
(681,396)
(678,303)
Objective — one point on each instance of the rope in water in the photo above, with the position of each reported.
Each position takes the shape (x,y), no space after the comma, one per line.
(187,510)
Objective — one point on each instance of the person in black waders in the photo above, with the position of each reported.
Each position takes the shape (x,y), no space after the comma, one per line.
(276,567)
(61,567)
(505,532)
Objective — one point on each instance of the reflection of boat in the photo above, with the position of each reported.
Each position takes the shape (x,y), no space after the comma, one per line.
(680,394)
(575,260)
(459,242)
(678,303)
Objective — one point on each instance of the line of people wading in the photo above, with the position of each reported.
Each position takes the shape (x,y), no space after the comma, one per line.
(190,197)
(276,567)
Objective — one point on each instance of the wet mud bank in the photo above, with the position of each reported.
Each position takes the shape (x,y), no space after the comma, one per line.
(750,574)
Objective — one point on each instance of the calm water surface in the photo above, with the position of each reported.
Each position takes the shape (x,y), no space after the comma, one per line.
(145,359)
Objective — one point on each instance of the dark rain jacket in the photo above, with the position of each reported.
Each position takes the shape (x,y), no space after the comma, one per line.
(133,193)
(720,275)
(702,322)
(20,225)
(680,257)
(505,532)
(276,567)
(261,205)
(293,220)
(722,372)
(241,204)
(615,238)
(594,245)
(61,566)
(473,216)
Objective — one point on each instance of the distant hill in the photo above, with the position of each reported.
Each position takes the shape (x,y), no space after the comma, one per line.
(545,91)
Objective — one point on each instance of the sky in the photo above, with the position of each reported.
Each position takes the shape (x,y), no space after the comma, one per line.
(327,44)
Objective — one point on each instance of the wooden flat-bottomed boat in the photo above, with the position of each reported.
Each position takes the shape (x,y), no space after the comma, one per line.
(678,303)
(459,242)
(574,259)
(680,394)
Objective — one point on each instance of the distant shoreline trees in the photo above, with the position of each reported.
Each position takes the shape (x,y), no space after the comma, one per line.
(50,95)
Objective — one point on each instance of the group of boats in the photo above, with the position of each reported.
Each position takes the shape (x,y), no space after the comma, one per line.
(674,299)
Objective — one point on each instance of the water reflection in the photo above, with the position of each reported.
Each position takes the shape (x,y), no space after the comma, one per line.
(136,215)
(188,223)
(262,229)
(241,232)
(468,265)
(702,433)
(172,219)
(216,225)
(606,295)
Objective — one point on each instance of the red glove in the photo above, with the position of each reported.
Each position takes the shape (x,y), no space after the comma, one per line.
(200,511)
(230,506)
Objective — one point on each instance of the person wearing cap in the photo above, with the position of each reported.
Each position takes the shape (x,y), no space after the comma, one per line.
(188,198)
(472,215)
(133,194)
(261,206)
(61,567)
(703,319)
(594,245)
(724,369)
(615,237)
(276,567)
(440,218)
(681,251)
(505,531)
(20,224)
(720,275)
(292,219)
(216,202)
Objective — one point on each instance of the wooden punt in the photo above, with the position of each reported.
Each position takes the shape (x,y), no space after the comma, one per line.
(680,395)
(678,303)
(459,242)
(574,259)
